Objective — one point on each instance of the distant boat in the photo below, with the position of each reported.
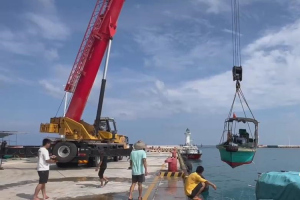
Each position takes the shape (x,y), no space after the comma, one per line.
(189,150)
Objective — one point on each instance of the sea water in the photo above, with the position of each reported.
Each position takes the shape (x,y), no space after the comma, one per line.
(239,183)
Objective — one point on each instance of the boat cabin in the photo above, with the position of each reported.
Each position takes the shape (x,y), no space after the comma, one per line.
(242,138)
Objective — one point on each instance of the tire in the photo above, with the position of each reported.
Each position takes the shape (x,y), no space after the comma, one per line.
(94,161)
(66,165)
(65,151)
(120,157)
(116,158)
(61,165)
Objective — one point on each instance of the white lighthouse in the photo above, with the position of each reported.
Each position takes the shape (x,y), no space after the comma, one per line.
(187,137)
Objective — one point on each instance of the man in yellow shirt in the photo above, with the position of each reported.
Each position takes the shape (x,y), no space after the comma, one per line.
(195,184)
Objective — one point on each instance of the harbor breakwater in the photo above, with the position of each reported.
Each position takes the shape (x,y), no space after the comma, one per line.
(279,146)
(213,146)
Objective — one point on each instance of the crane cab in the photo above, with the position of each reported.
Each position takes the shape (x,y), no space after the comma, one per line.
(109,133)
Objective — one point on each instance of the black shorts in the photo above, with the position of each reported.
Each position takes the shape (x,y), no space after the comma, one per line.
(138,178)
(44,175)
(101,172)
(195,191)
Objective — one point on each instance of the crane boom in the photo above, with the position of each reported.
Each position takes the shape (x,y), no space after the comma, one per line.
(101,29)
(85,48)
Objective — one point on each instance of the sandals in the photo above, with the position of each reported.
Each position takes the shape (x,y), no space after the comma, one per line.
(140,198)
(105,183)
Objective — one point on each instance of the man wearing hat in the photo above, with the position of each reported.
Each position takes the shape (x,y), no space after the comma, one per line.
(138,166)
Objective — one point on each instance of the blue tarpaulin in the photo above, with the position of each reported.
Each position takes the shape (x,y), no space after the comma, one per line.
(278,186)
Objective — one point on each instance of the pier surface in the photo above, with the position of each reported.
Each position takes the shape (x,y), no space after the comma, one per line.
(19,179)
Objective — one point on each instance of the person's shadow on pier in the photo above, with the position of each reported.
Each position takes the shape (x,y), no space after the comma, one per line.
(25,196)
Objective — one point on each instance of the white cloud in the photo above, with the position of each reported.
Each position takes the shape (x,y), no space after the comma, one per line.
(49,26)
(38,35)
(51,54)
(271,74)
(215,6)
(22,44)
(28,39)
(285,37)
(54,85)
(230,31)
(5,79)
(11,77)
(51,89)
(168,49)
(271,79)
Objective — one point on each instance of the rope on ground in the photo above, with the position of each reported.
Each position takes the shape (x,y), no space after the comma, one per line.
(61,174)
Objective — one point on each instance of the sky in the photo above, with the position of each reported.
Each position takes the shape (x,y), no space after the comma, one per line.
(170,67)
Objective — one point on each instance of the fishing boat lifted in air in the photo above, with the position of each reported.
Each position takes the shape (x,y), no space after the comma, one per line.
(190,151)
(238,148)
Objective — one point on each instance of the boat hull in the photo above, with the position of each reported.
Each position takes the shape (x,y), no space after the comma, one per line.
(234,159)
(192,156)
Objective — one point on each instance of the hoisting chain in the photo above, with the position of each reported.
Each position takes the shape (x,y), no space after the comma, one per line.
(242,98)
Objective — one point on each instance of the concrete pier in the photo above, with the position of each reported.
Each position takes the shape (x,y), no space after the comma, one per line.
(19,179)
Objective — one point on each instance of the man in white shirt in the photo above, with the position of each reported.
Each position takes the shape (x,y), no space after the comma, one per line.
(43,168)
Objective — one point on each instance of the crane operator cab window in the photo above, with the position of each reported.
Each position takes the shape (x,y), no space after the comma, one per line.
(108,125)
(103,126)
(112,126)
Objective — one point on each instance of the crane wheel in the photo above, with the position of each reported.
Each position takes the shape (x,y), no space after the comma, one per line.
(94,161)
(116,158)
(65,151)
(66,165)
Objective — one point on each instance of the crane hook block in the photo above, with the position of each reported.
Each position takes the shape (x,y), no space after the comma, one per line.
(237,73)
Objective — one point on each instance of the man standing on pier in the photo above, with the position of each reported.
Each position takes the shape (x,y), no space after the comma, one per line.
(138,166)
(2,153)
(102,166)
(195,184)
(43,168)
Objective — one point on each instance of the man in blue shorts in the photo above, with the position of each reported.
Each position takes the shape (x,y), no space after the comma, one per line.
(138,166)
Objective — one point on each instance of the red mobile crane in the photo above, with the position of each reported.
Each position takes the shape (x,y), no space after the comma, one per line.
(81,142)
